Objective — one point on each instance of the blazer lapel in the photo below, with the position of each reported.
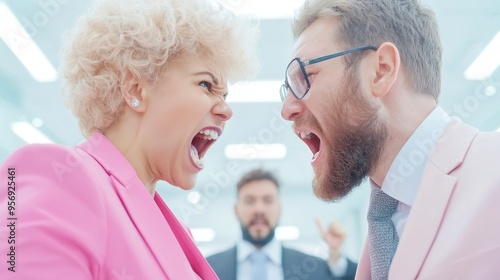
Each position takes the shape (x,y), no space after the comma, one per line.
(140,207)
(158,235)
(429,208)
(423,224)
(285,264)
(196,259)
(233,263)
(363,270)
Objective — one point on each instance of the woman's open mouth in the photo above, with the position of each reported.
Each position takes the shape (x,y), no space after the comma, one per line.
(201,142)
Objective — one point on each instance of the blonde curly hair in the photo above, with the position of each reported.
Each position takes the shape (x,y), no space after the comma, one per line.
(142,36)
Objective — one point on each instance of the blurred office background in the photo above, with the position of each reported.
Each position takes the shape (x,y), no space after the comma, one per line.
(32,110)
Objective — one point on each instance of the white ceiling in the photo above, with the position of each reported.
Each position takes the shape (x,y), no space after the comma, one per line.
(465,26)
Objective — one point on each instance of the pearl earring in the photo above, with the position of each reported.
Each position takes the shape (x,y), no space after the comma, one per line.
(135,103)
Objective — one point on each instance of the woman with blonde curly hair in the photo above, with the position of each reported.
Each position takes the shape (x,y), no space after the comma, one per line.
(147,81)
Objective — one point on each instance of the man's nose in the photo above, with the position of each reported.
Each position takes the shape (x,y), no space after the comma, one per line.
(292,107)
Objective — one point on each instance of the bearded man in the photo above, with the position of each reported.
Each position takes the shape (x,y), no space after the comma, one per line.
(259,256)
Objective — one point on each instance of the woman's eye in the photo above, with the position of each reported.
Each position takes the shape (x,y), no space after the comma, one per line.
(206,85)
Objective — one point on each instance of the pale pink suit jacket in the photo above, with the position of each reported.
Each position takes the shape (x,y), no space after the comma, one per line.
(453,230)
(82,213)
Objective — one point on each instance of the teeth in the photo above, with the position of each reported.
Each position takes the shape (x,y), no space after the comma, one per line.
(195,156)
(209,134)
(305,134)
(315,156)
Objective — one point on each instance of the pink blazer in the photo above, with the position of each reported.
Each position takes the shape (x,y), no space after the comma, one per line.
(453,230)
(82,213)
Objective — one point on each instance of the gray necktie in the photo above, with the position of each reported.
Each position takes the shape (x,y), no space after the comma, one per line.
(259,262)
(382,236)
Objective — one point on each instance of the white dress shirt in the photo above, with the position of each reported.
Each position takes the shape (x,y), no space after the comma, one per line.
(339,268)
(273,251)
(403,178)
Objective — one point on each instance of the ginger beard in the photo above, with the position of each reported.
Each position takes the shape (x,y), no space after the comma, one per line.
(354,141)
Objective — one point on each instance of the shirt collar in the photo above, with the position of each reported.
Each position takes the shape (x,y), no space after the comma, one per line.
(271,249)
(402,181)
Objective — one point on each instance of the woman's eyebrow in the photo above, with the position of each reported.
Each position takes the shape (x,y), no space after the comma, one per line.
(216,81)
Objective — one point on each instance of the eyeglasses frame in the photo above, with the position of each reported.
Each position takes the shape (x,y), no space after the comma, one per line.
(285,87)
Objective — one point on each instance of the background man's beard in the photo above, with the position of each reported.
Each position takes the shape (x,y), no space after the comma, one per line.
(354,145)
(257,241)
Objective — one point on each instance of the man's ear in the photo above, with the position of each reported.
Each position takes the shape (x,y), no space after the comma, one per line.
(235,208)
(385,69)
(132,91)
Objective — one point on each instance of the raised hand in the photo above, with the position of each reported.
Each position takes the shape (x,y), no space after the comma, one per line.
(334,236)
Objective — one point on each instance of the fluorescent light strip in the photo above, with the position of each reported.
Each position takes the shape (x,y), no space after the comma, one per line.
(203,234)
(23,47)
(29,133)
(255,151)
(287,233)
(487,62)
(255,91)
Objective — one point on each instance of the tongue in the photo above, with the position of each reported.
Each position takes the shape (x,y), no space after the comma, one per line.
(195,156)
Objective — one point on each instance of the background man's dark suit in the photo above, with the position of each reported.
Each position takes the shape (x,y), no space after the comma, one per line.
(296,266)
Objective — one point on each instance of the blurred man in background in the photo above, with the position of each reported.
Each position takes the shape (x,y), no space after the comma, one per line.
(259,256)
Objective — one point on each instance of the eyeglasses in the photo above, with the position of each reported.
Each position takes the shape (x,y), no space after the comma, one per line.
(296,79)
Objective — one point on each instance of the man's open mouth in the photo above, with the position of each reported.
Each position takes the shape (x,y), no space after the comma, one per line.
(201,142)
(312,141)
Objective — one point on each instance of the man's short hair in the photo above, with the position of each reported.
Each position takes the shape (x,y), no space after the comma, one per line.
(257,175)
